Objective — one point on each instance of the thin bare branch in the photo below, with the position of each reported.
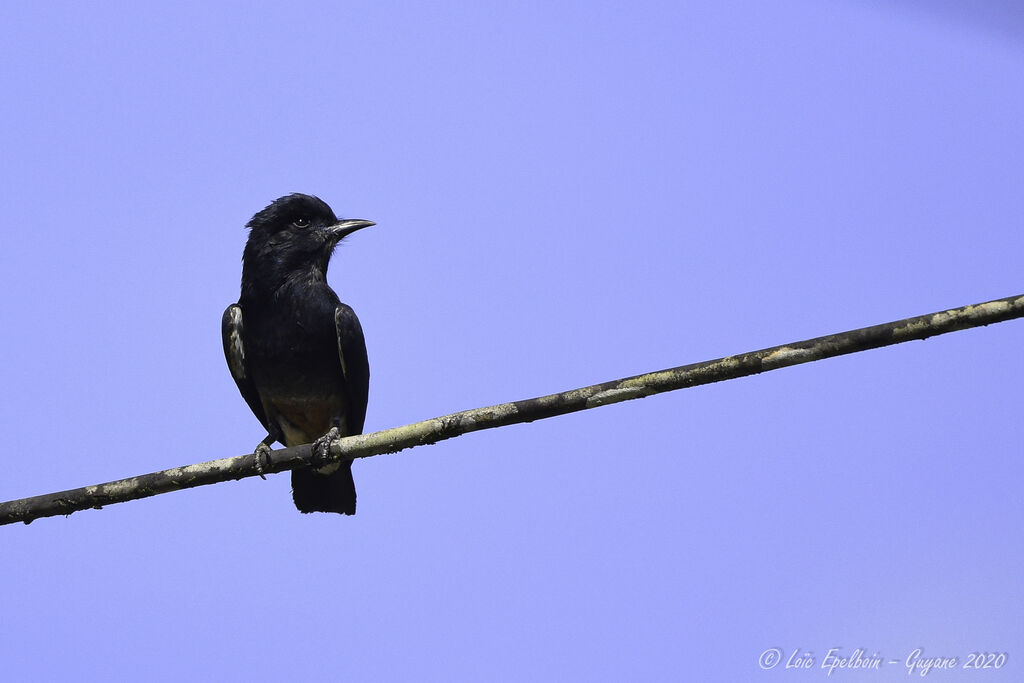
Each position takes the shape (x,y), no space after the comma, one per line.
(448,426)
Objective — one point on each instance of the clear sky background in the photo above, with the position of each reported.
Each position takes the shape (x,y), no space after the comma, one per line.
(566,193)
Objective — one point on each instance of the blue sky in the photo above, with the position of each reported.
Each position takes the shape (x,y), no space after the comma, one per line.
(565,193)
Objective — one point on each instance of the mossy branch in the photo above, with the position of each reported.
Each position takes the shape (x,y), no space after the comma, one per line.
(448,426)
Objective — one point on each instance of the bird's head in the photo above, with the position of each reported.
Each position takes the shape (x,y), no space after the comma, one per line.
(295,233)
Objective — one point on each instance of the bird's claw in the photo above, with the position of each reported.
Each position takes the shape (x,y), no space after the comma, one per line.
(261,455)
(322,446)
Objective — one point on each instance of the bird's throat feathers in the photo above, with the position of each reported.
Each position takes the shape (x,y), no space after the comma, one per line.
(267,272)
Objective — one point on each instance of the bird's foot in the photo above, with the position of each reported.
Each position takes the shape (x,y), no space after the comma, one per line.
(262,455)
(322,446)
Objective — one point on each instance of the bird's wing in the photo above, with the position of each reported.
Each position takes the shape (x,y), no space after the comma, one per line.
(234,351)
(354,365)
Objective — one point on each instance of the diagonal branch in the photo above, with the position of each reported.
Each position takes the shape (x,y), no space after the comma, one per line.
(448,426)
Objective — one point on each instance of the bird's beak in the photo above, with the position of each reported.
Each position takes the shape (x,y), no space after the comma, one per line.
(347,227)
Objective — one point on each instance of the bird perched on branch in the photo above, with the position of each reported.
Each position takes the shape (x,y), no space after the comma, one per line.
(295,351)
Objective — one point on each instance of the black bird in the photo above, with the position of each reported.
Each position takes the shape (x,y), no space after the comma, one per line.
(296,352)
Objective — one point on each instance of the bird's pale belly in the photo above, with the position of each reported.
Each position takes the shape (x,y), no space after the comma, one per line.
(303,419)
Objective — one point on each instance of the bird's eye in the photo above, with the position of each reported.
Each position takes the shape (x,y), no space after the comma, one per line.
(301,222)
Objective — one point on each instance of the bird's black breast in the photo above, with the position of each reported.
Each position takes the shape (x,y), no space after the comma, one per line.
(292,349)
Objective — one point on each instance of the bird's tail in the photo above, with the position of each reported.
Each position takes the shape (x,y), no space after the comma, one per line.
(315,492)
